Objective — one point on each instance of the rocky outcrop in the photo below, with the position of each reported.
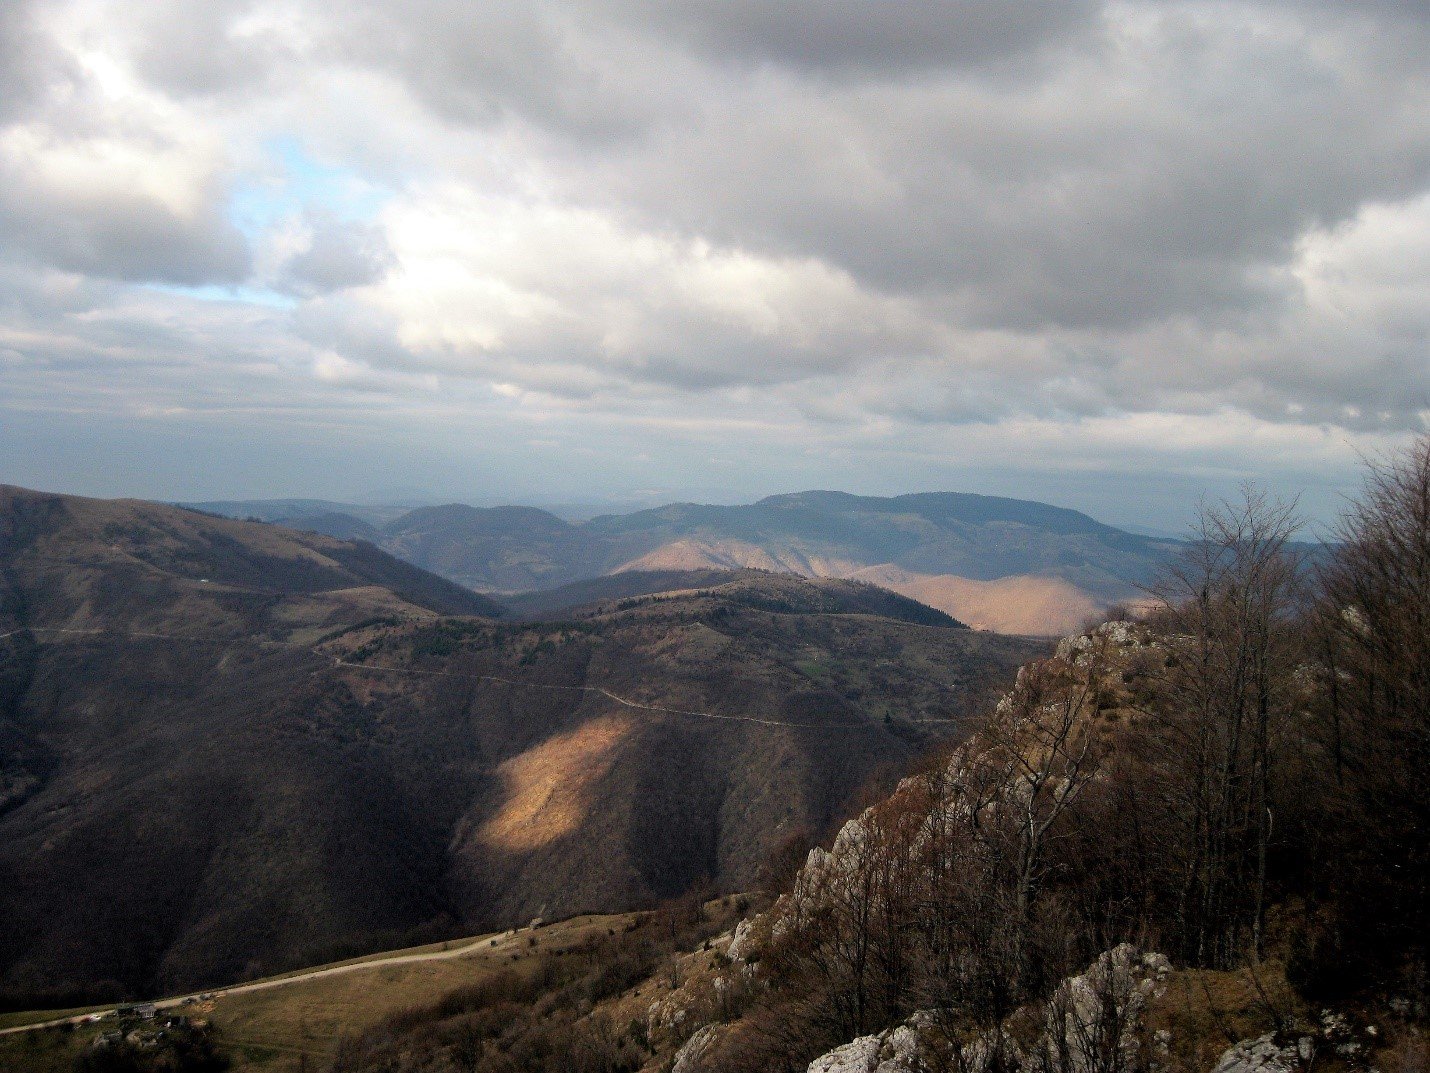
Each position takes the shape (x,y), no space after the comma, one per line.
(1080,649)
(1265,1055)
(693,1051)
(741,943)
(1296,1051)
(859,1056)
(1094,1022)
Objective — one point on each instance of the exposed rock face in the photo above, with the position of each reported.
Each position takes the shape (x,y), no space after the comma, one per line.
(895,1051)
(1080,649)
(688,1058)
(1265,1055)
(859,1056)
(1332,1034)
(740,942)
(1094,1021)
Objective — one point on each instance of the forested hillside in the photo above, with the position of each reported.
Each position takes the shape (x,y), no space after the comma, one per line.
(1200,839)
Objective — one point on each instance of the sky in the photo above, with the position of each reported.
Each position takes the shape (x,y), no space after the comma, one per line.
(1116,256)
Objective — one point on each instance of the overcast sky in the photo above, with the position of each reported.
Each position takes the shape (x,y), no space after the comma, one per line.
(1110,255)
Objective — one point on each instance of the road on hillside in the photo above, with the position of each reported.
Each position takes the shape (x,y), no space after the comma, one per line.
(486,942)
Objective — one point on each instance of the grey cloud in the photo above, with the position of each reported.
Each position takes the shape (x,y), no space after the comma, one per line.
(1121,188)
(1412,10)
(100,350)
(29,62)
(1102,189)
(471,64)
(481,64)
(1072,212)
(857,37)
(193,48)
(121,238)
(1108,187)
(608,70)
(341,254)
(1269,372)
(358,332)
(72,171)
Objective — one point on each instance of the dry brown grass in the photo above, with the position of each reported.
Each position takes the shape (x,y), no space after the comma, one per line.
(730,554)
(280,1028)
(1206,1012)
(50,1050)
(1022,604)
(274,1029)
(548,788)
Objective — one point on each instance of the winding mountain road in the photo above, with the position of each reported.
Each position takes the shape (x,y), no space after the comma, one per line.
(338,661)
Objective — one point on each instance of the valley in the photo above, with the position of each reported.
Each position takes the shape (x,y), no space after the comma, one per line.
(284,747)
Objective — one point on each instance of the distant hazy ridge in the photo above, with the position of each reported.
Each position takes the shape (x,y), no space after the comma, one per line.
(1009,565)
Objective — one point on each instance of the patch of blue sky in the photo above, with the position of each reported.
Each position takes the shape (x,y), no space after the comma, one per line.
(297,183)
(214,292)
(294,184)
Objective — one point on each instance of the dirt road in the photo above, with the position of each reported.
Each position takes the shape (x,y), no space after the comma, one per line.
(483,943)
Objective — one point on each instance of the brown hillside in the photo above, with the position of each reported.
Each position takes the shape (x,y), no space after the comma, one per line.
(1024,603)
(1020,604)
(252,800)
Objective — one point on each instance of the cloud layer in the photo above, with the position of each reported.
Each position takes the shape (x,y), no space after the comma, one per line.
(944,243)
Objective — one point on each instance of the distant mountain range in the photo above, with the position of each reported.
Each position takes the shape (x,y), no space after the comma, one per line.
(229,748)
(1008,565)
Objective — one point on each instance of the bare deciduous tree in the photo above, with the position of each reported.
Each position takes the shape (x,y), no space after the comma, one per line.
(1227,619)
(1374,613)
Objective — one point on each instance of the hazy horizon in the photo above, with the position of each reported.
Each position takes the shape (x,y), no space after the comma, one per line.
(576,509)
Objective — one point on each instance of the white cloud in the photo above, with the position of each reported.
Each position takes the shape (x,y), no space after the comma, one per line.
(1373,269)
(104,176)
(488,286)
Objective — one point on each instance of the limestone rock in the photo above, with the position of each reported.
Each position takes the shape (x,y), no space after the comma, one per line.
(1265,1055)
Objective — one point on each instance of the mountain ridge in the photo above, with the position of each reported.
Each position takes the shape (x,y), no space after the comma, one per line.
(995,562)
